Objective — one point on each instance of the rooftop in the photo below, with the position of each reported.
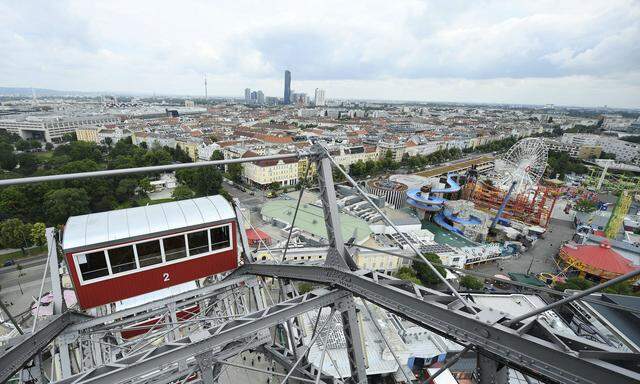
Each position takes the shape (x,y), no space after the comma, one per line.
(310,218)
(99,229)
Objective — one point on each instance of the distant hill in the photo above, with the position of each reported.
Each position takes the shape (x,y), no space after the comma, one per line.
(27,92)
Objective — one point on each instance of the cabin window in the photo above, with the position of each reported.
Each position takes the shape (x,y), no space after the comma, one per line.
(122,259)
(198,243)
(174,248)
(220,237)
(92,265)
(149,253)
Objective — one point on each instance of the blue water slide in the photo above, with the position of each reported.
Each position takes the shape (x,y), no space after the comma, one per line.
(472,220)
(431,203)
(453,186)
(439,219)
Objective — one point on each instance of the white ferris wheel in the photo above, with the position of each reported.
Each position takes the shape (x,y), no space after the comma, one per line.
(524,163)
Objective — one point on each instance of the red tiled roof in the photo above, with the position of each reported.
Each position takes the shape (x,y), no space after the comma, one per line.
(257,235)
(600,257)
(274,139)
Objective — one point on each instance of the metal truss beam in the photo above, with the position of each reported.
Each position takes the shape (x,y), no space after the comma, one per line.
(442,314)
(17,355)
(175,372)
(154,308)
(208,340)
(285,358)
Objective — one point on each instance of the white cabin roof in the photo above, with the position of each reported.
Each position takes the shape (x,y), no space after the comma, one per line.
(97,229)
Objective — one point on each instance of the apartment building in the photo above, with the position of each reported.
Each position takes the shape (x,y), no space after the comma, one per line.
(345,156)
(99,135)
(190,147)
(265,172)
(624,151)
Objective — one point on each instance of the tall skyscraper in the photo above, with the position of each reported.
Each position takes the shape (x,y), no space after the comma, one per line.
(247,95)
(287,87)
(260,97)
(319,99)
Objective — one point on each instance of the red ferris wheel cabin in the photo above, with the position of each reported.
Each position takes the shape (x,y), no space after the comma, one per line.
(125,253)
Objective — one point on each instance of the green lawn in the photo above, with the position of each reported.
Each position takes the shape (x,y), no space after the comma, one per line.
(37,251)
(43,156)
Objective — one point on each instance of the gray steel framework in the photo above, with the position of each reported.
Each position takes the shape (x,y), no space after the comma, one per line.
(208,340)
(529,346)
(13,357)
(446,316)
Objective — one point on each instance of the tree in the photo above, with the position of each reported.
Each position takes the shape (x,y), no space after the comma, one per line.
(144,185)
(574,283)
(304,287)
(22,145)
(357,169)
(39,234)
(606,155)
(235,172)
(108,141)
(157,156)
(35,144)
(69,137)
(15,234)
(407,274)
(217,155)
(178,154)
(203,181)
(28,163)
(275,186)
(182,192)
(424,273)
(584,205)
(8,160)
(62,203)
(471,283)
(14,200)
(622,288)
(80,150)
(48,146)
(126,189)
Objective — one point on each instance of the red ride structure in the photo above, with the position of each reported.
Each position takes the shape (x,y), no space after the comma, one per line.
(120,254)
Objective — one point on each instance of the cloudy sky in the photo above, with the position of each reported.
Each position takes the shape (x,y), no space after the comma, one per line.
(562,52)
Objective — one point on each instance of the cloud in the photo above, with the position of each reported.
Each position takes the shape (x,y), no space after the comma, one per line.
(167,47)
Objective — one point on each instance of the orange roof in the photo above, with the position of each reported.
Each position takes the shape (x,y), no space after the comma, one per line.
(600,257)
(274,139)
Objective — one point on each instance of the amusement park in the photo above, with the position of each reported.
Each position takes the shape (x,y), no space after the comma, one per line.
(487,269)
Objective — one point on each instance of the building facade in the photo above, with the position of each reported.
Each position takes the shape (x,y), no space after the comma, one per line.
(265,172)
(319,98)
(52,129)
(287,87)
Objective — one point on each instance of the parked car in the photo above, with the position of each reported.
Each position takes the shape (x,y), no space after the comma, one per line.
(9,263)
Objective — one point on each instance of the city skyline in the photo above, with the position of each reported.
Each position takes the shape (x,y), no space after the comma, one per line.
(579,53)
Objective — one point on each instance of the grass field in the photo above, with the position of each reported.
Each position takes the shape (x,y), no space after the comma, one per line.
(43,155)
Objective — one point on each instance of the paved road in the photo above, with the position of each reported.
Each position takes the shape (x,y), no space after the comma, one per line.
(18,291)
(27,262)
(542,253)
(246,199)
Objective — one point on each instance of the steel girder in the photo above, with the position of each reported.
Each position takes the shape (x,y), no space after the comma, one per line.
(444,315)
(208,340)
(175,372)
(154,308)
(17,355)
(285,358)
